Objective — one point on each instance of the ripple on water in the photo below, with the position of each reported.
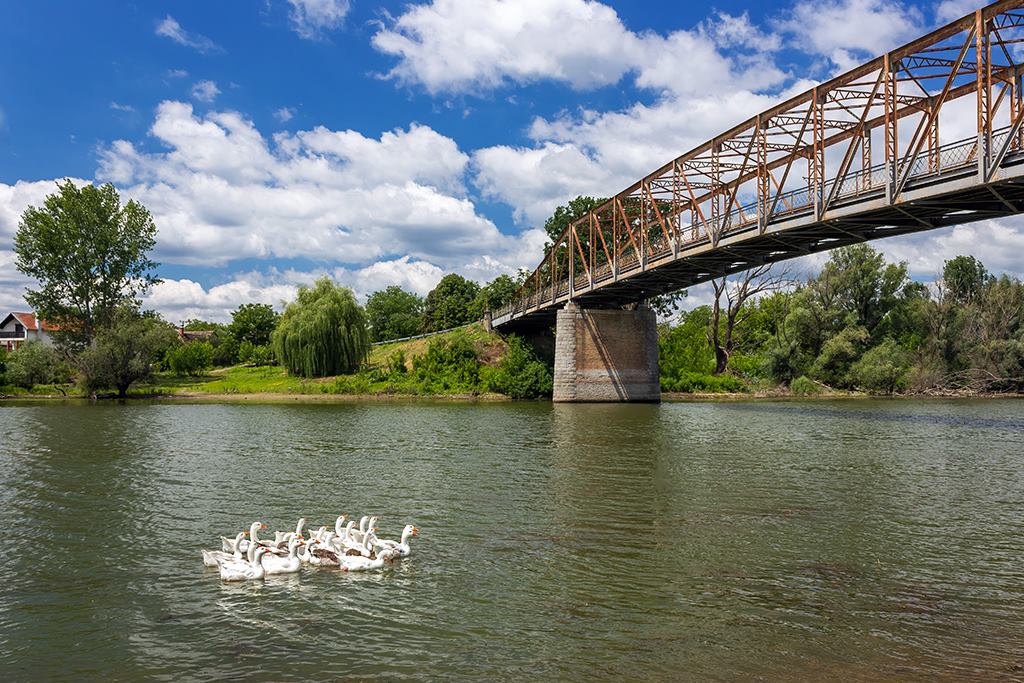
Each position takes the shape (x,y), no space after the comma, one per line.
(792,541)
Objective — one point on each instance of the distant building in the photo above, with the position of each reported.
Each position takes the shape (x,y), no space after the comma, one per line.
(197,335)
(18,328)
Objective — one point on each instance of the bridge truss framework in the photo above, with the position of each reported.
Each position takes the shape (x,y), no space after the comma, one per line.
(862,156)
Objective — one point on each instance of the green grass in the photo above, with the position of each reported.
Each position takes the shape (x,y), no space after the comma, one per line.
(40,390)
(376,379)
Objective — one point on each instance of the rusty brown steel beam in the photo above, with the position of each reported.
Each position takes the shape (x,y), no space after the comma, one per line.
(750,145)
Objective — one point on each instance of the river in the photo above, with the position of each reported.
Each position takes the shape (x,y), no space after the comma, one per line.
(853,540)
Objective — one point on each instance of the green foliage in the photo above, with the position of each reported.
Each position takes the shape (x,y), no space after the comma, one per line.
(804,386)
(225,349)
(255,354)
(964,278)
(520,374)
(124,351)
(696,382)
(838,354)
(451,303)
(35,363)
(566,214)
(397,363)
(253,323)
(322,333)
(683,349)
(867,287)
(394,313)
(666,305)
(192,359)
(882,369)
(200,325)
(89,255)
(497,293)
(450,365)
(3,366)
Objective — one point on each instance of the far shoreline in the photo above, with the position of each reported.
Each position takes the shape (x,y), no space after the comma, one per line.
(284,397)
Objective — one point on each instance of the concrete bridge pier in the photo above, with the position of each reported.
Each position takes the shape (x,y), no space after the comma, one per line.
(606,355)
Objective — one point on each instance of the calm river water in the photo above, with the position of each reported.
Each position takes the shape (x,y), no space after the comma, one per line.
(856,540)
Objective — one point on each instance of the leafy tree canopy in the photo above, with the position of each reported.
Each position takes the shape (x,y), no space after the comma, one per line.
(498,292)
(124,350)
(253,323)
(964,278)
(567,213)
(451,303)
(394,313)
(323,332)
(89,255)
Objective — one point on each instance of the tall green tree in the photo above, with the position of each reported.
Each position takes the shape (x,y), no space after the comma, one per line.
(498,292)
(253,323)
(964,278)
(451,303)
(323,332)
(394,313)
(88,253)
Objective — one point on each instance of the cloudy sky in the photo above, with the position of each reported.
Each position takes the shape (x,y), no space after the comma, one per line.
(392,142)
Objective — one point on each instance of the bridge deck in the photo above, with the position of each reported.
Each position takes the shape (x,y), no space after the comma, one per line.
(743,198)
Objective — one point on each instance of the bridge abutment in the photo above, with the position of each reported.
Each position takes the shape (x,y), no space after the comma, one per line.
(606,355)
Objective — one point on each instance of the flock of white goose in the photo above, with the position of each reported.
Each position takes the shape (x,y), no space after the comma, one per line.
(247,557)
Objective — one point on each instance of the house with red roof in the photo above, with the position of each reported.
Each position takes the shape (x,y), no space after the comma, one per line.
(18,328)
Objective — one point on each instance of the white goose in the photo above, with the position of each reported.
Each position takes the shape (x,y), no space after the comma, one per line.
(213,558)
(284,565)
(343,537)
(225,543)
(282,536)
(359,563)
(401,546)
(245,571)
(365,523)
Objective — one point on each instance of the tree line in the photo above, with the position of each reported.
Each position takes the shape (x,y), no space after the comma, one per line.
(861,323)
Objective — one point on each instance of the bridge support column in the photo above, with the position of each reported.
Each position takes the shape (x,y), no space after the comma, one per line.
(606,355)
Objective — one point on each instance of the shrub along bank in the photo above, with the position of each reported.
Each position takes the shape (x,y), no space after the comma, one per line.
(466,362)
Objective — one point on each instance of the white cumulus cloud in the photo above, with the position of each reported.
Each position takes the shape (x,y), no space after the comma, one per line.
(455,46)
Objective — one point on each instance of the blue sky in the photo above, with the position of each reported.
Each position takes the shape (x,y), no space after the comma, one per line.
(391,142)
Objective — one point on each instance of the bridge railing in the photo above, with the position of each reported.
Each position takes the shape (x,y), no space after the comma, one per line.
(752,175)
(951,157)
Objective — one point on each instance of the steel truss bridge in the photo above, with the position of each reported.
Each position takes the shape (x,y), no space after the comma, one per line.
(864,156)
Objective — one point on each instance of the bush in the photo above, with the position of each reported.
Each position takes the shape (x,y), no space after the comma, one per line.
(838,354)
(35,363)
(3,366)
(226,350)
(192,359)
(450,365)
(520,374)
(698,382)
(803,386)
(882,369)
(396,363)
(257,355)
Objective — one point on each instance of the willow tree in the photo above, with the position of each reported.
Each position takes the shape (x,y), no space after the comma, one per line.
(323,332)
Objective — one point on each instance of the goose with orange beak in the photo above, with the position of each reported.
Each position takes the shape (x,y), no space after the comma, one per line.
(243,570)
(402,547)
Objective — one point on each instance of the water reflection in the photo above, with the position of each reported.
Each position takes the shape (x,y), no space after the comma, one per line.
(863,541)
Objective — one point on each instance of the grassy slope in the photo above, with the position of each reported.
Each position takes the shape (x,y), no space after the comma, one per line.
(274,380)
